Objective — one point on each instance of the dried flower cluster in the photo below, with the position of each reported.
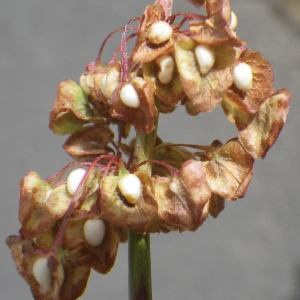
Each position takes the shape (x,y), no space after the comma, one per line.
(69,226)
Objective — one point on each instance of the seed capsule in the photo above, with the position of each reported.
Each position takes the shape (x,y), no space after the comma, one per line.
(42,273)
(129,96)
(243,76)
(94,231)
(159,32)
(130,188)
(166,68)
(205,57)
(74,179)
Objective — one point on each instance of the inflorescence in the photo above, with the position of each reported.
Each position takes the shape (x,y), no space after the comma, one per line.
(70,225)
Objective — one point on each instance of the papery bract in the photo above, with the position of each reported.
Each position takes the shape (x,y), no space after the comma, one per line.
(71,109)
(115,208)
(91,140)
(205,92)
(262,86)
(40,205)
(259,132)
(181,199)
(230,170)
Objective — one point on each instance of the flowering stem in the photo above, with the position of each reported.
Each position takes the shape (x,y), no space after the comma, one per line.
(140,286)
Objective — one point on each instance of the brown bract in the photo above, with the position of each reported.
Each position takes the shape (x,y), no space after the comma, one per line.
(91,140)
(143,117)
(230,170)
(218,7)
(144,50)
(104,82)
(170,154)
(115,208)
(215,29)
(102,257)
(71,109)
(197,2)
(69,271)
(181,199)
(40,205)
(262,85)
(260,131)
(215,205)
(168,94)
(205,92)
(24,253)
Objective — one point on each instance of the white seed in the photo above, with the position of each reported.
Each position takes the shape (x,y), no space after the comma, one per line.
(42,273)
(74,179)
(129,96)
(234,21)
(174,187)
(166,68)
(130,188)
(94,231)
(86,83)
(206,58)
(103,84)
(243,76)
(159,32)
(112,80)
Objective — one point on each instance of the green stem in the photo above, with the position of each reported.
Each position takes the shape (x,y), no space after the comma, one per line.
(140,285)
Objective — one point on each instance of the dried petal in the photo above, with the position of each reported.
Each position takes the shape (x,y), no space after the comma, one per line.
(181,199)
(25,253)
(205,92)
(71,109)
(168,93)
(259,132)
(101,257)
(219,7)
(91,140)
(215,205)
(230,170)
(172,155)
(40,205)
(215,30)
(145,50)
(197,3)
(143,117)
(116,210)
(262,84)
